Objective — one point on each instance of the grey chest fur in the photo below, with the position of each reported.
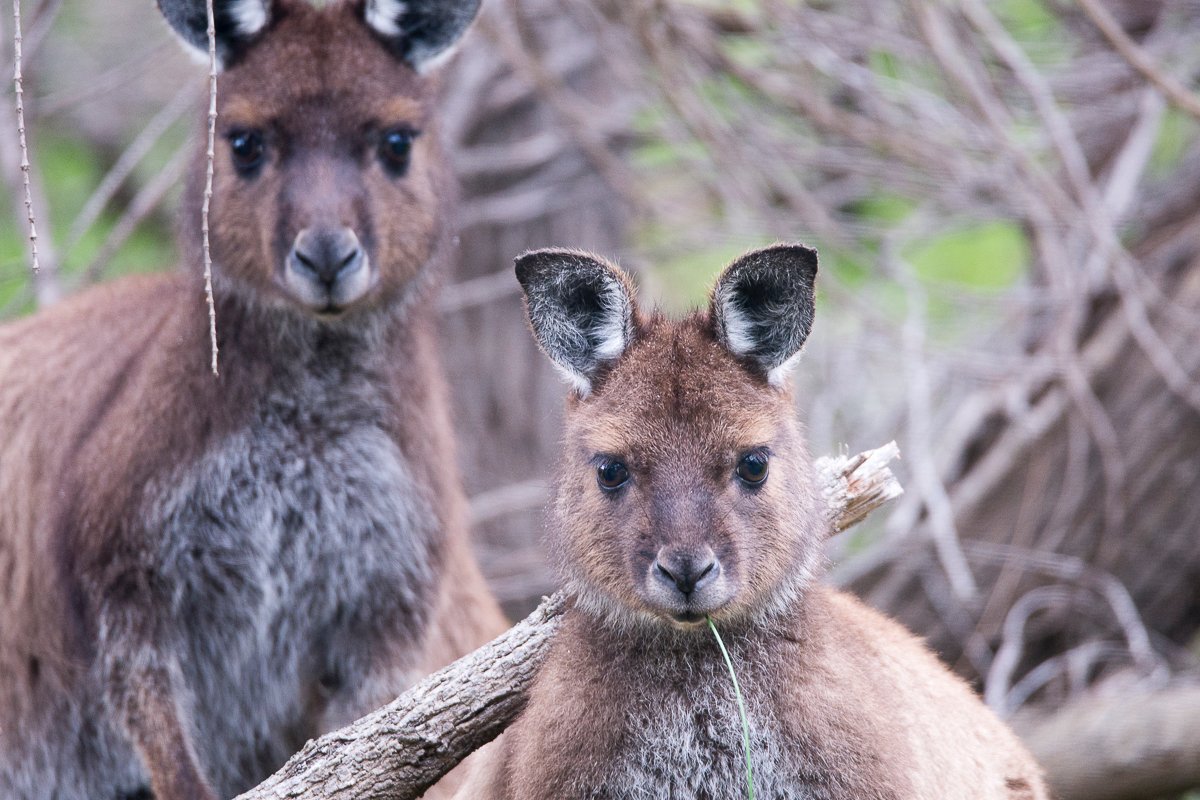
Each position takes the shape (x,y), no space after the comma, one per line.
(670,730)
(622,716)
(689,747)
(293,549)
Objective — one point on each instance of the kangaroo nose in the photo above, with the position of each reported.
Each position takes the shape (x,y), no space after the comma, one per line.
(328,254)
(687,570)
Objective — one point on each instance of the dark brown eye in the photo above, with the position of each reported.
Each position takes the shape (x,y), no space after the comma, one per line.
(249,151)
(611,475)
(752,469)
(395,150)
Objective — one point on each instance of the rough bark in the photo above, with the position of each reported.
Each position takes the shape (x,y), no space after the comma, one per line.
(854,486)
(400,750)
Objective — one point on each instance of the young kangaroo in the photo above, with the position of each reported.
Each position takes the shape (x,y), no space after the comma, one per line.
(685,492)
(199,574)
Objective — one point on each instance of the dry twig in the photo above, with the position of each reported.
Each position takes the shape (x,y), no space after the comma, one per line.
(141,206)
(125,164)
(1176,92)
(46,286)
(208,183)
(19,84)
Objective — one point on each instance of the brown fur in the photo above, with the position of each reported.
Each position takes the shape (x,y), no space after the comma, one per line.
(634,699)
(107,408)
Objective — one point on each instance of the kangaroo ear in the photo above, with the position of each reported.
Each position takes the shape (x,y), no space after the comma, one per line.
(762,307)
(237,23)
(580,308)
(422,32)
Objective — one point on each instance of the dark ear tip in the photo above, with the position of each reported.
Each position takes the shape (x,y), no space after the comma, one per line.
(531,261)
(534,262)
(524,265)
(791,254)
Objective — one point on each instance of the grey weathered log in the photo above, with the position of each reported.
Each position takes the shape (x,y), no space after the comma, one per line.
(1127,745)
(400,750)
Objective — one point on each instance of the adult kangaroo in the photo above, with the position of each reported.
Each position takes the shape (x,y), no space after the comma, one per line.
(199,574)
(685,494)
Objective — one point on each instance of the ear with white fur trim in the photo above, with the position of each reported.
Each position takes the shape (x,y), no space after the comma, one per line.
(762,307)
(237,23)
(421,32)
(580,308)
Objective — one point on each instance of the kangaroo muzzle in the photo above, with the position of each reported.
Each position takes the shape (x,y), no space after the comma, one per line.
(327,269)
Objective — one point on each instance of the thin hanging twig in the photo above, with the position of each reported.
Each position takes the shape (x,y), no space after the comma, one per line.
(19,83)
(208,181)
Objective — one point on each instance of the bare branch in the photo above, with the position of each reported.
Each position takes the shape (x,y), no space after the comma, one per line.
(854,486)
(400,750)
(100,86)
(578,119)
(142,205)
(208,183)
(1139,59)
(1008,655)
(19,83)
(45,286)
(925,474)
(125,164)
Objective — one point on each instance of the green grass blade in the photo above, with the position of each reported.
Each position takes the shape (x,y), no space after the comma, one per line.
(737,692)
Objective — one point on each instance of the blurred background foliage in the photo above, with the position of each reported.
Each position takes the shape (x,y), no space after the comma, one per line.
(972,255)
(1006,199)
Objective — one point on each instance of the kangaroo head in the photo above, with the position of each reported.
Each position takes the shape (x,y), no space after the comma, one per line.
(328,184)
(685,488)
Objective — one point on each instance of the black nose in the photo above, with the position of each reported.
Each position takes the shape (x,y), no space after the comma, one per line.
(327,253)
(687,569)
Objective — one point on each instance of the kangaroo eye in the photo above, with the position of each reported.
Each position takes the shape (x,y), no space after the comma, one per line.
(611,475)
(395,150)
(249,151)
(752,469)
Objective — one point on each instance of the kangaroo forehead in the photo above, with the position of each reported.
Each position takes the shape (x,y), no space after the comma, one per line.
(320,53)
(676,384)
(321,110)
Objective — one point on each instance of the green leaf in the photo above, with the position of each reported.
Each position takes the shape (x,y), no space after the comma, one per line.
(984,257)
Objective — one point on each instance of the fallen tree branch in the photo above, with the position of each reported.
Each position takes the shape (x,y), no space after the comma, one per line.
(1127,745)
(854,486)
(400,750)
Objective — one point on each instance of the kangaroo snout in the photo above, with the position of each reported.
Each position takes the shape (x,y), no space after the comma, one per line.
(687,571)
(327,268)
(686,582)
(327,254)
